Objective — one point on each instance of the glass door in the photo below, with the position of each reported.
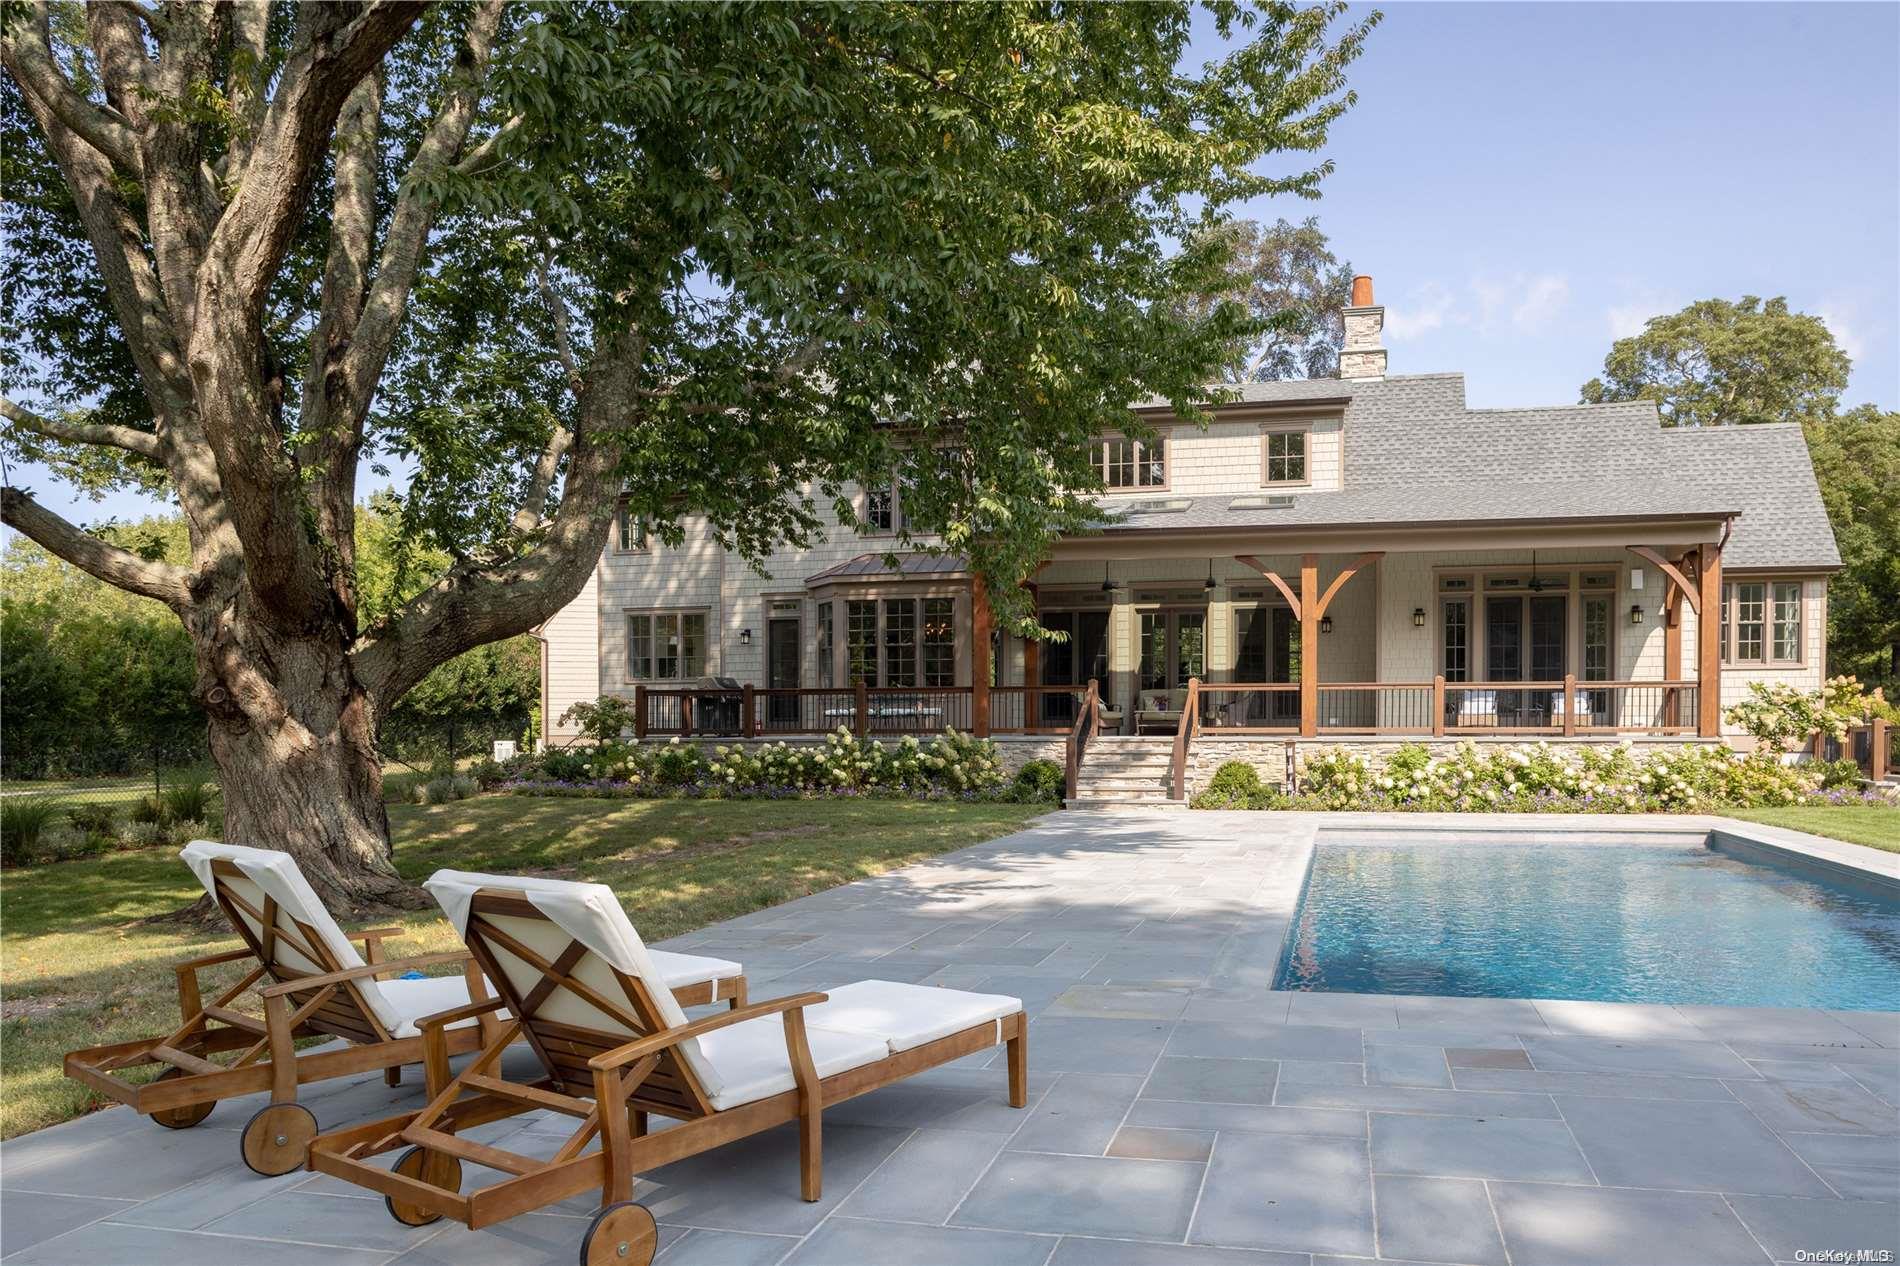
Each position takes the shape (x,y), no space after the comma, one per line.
(1173,649)
(1526,639)
(782,653)
(1073,660)
(1269,650)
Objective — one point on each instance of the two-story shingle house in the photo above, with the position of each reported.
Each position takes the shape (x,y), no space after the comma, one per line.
(1355,558)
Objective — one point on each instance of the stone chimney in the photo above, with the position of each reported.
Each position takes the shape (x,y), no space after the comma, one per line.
(1363,356)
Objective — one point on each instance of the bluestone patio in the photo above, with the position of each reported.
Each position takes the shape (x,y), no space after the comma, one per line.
(1181,1112)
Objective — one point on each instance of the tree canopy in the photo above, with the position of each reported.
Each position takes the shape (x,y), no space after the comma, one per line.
(1295,292)
(719,260)
(1723,363)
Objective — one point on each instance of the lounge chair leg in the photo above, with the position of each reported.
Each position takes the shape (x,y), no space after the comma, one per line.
(811,1154)
(1019,1066)
(392,1076)
(637,1122)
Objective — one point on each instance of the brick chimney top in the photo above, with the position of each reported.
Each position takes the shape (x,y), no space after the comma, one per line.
(1362,291)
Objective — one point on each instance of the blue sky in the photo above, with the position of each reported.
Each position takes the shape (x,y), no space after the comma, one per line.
(1527,182)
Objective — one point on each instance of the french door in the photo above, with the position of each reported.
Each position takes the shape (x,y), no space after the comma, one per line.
(1526,639)
(1173,648)
(1268,650)
(783,649)
(1074,660)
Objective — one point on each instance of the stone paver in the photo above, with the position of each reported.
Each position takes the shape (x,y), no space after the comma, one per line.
(1181,1113)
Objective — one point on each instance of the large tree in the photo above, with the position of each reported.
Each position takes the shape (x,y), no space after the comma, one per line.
(1722,363)
(721,260)
(1857,460)
(1717,363)
(1285,277)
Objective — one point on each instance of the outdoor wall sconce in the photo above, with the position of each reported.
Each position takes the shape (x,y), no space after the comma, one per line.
(1636,613)
(1418,617)
(1326,624)
(745,637)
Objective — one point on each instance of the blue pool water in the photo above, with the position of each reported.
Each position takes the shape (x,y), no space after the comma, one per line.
(1606,922)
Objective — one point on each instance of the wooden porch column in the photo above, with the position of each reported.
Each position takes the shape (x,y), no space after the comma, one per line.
(1708,639)
(1309,645)
(979,658)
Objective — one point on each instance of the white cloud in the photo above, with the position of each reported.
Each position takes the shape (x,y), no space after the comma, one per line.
(1428,307)
(1627,319)
(1842,319)
(1520,303)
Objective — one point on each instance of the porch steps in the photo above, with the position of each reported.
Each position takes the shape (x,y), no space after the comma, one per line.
(1126,773)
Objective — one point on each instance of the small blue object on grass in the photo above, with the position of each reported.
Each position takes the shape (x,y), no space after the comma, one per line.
(412,975)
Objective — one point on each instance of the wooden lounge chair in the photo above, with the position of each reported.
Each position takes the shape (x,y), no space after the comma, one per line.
(313,983)
(578,983)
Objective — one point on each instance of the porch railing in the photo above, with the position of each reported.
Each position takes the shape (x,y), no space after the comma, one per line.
(1088,721)
(1035,709)
(1875,747)
(1250,707)
(755,712)
(1565,708)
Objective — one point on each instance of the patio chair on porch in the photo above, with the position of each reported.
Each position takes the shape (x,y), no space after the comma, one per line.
(1158,710)
(612,1048)
(314,984)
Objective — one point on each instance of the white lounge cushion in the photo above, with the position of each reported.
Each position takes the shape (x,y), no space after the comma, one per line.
(265,872)
(903,1016)
(680,970)
(414,999)
(752,1061)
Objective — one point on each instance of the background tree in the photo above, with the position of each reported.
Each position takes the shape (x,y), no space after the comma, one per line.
(1857,459)
(729,259)
(1717,363)
(1286,279)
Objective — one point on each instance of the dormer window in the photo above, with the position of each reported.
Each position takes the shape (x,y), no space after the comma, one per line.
(1122,463)
(1285,456)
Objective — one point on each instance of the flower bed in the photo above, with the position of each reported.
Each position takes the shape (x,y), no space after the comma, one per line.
(951,766)
(1535,778)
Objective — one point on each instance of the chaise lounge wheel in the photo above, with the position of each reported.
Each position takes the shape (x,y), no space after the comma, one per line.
(438,1169)
(622,1234)
(277,1139)
(185,1115)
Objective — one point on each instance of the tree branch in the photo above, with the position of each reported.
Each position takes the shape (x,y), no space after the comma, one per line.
(118,567)
(409,224)
(144,443)
(534,504)
(472,606)
(250,34)
(28,54)
(472,162)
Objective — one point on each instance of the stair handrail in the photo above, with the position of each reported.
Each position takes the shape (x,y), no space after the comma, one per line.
(1087,721)
(1184,735)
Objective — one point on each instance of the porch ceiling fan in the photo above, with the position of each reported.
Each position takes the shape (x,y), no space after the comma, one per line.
(1538,584)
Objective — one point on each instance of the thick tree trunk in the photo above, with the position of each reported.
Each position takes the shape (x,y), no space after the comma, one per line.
(293,736)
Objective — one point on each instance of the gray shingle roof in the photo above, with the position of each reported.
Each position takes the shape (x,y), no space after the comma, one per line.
(1415,454)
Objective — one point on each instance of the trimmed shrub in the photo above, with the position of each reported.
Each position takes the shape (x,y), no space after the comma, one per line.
(1836,773)
(1039,782)
(141,834)
(92,819)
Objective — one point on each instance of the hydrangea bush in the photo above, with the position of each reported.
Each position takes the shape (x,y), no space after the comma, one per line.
(1535,777)
(950,765)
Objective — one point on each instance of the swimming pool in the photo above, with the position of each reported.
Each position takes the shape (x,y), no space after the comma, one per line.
(1608,922)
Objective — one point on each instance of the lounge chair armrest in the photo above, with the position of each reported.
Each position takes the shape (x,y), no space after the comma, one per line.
(375,936)
(212,960)
(468,1012)
(303,983)
(653,1043)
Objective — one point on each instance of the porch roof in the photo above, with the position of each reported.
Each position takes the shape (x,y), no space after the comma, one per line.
(914,566)
(1416,455)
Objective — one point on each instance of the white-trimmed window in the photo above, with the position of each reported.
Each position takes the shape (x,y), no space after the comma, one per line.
(881,511)
(630,532)
(1285,456)
(1122,463)
(666,645)
(904,642)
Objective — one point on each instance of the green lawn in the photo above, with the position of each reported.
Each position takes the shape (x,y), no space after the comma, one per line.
(1876,826)
(78,969)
